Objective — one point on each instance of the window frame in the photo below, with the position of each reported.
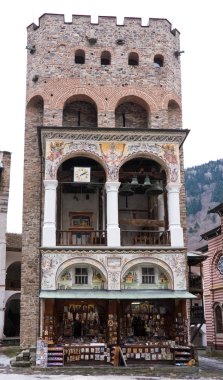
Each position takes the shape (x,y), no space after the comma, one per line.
(81,278)
(148,278)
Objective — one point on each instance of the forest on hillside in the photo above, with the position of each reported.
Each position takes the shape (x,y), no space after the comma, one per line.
(204,190)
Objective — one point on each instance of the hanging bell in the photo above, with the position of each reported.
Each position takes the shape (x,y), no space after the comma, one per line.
(126,190)
(155,189)
(134,183)
(147,184)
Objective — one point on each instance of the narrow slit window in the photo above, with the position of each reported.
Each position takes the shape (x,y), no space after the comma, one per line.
(218,319)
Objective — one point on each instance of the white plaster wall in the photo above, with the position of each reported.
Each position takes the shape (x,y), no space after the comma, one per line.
(114,265)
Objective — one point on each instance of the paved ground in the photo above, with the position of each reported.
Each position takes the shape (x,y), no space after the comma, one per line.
(209,369)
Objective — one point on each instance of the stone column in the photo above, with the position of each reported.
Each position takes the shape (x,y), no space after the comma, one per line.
(160,201)
(49,224)
(176,231)
(113,230)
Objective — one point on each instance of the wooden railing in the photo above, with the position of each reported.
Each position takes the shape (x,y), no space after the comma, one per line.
(195,282)
(196,315)
(142,237)
(81,237)
(99,237)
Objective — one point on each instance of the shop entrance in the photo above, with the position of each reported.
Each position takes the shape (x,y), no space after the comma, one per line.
(91,330)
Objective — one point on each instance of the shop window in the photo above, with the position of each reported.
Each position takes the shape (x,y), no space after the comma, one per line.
(218,319)
(80,57)
(148,276)
(81,276)
(105,58)
(133,59)
(158,60)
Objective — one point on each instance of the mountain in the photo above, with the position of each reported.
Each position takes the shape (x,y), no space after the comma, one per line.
(204,190)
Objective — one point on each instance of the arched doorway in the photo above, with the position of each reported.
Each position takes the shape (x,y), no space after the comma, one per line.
(81,217)
(12,316)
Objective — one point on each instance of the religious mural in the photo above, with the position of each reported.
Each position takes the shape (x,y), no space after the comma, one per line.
(113,154)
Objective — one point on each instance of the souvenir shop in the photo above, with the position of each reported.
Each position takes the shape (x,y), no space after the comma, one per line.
(114,331)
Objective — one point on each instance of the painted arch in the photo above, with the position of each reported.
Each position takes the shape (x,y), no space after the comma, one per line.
(163,270)
(98,271)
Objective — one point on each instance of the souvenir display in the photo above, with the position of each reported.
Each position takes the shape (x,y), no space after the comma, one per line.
(55,356)
(91,332)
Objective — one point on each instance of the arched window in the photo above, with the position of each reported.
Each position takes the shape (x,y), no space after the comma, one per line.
(79,56)
(105,58)
(158,60)
(174,115)
(133,59)
(81,276)
(13,276)
(218,319)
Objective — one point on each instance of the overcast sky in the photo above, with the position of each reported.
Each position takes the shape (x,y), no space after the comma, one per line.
(201,28)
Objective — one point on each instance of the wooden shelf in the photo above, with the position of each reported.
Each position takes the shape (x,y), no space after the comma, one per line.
(55,356)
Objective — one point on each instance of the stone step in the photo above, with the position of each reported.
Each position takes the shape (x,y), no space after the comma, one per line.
(19,357)
(20,364)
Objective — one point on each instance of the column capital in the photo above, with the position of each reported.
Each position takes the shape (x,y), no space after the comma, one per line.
(112,186)
(50,184)
(173,187)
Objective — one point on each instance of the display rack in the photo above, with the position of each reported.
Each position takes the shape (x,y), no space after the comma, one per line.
(182,355)
(180,331)
(55,356)
(86,353)
(156,352)
(49,329)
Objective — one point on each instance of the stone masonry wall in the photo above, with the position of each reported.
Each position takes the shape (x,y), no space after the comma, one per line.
(31,227)
(5,174)
(59,77)
(53,77)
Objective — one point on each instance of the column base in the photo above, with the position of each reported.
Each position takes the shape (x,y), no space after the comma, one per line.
(176,236)
(113,237)
(49,236)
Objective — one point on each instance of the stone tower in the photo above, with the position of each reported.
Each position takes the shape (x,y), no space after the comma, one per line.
(5,165)
(104,201)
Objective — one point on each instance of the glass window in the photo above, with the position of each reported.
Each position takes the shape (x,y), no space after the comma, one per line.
(148,276)
(81,276)
(218,319)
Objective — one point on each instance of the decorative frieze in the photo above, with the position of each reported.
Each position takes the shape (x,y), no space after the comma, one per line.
(112,154)
(112,266)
